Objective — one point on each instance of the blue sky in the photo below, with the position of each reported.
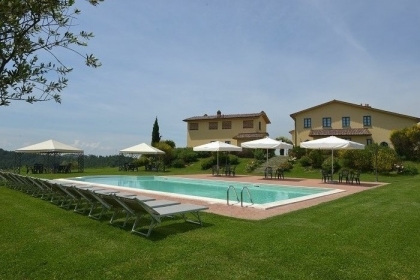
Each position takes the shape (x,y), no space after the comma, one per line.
(177,59)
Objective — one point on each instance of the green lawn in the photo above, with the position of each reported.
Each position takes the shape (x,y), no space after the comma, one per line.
(369,235)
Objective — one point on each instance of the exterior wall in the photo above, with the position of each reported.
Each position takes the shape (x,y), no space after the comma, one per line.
(382,122)
(204,135)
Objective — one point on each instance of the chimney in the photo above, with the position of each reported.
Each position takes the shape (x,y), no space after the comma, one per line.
(219,114)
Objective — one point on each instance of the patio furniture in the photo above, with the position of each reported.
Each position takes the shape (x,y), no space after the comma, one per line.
(326,176)
(343,174)
(140,209)
(132,167)
(279,174)
(268,172)
(230,170)
(355,177)
(215,170)
(38,168)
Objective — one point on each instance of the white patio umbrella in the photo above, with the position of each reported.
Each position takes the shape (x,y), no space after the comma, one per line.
(331,143)
(266,143)
(217,146)
(142,148)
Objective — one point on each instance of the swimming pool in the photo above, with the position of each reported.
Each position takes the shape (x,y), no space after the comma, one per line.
(263,196)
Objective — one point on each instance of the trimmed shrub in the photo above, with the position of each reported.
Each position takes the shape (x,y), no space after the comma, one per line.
(208,163)
(317,158)
(409,169)
(286,166)
(305,161)
(178,163)
(234,160)
(326,165)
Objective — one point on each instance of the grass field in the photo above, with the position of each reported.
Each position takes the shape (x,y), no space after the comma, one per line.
(369,235)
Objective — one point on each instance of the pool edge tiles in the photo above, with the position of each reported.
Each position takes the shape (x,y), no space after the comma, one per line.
(209,200)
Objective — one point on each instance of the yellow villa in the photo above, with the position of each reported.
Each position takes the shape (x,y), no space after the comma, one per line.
(233,128)
(356,122)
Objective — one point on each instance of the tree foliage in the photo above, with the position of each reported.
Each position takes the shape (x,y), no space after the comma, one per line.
(386,160)
(32,27)
(155,133)
(407,142)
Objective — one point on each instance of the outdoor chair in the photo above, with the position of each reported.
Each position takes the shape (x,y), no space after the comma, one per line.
(268,172)
(355,177)
(326,176)
(215,170)
(279,173)
(343,175)
(231,170)
(140,209)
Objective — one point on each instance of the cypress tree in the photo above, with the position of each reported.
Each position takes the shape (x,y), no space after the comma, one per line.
(155,133)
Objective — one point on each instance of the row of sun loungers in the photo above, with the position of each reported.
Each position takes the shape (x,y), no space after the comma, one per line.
(99,201)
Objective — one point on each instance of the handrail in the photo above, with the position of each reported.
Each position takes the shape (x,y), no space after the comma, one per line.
(249,195)
(227,194)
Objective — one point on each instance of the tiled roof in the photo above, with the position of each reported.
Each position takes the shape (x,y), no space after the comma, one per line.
(339,132)
(250,136)
(364,106)
(230,116)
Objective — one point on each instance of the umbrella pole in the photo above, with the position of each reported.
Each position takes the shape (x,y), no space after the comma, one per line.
(332,164)
(217,162)
(266,164)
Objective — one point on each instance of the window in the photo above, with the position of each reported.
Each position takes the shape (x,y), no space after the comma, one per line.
(368,142)
(248,124)
(259,125)
(326,122)
(227,142)
(346,122)
(213,125)
(307,123)
(194,126)
(226,124)
(367,121)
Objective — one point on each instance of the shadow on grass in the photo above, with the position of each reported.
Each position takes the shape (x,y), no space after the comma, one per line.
(169,226)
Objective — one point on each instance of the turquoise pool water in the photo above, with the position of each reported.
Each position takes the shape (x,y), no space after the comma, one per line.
(263,194)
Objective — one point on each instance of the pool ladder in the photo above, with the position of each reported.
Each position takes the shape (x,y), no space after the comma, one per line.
(237,197)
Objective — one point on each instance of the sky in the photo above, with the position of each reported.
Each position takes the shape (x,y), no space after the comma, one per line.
(176,59)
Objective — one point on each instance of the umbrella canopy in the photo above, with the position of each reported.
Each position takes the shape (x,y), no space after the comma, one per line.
(142,148)
(266,143)
(217,146)
(49,146)
(331,143)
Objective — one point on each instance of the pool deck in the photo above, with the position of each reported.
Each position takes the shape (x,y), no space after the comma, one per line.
(251,213)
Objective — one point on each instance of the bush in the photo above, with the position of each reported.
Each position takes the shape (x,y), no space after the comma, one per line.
(234,160)
(286,166)
(178,163)
(356,159)
(142,161)
(252,165)
(317,158)
(305,161)
(409,169)
(208,163)
(186,154)
(386,160)
(297,152)
(326,165)
(260,154)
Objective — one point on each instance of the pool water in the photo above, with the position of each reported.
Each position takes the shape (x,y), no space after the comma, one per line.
(265,195)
